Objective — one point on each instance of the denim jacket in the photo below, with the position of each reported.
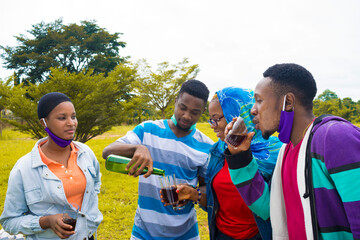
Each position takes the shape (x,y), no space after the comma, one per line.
(216,162)
(34,191)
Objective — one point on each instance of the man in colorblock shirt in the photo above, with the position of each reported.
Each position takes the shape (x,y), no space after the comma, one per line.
(315,188)
(177,147)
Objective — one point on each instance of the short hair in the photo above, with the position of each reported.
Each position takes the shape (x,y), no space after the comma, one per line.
(290,77)
(49,101)
(195,88)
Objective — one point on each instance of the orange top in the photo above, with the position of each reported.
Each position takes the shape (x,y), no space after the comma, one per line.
(72,177)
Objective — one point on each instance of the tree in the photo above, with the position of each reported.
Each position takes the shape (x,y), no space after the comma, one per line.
(329,103)
(357,111)
(159,88)
(1,127)
(137,108)
(98,100)
(73,47)
(348,102)
(327,95)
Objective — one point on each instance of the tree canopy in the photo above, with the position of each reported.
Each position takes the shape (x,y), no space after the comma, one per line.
(158,88)
(329,103)
(98,100)
(327,95)
(73,47)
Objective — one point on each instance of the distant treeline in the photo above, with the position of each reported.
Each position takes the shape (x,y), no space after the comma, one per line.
(329,103)
(107,89)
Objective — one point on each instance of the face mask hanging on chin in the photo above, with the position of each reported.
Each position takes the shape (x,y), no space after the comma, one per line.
(285,125)
(173,119)
(59,141)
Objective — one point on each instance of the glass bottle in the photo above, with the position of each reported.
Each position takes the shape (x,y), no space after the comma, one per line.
(237,134)
(118,164)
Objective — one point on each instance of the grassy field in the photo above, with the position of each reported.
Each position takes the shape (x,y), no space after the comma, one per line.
(118,196)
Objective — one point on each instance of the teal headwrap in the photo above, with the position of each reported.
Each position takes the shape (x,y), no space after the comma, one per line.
(238,102)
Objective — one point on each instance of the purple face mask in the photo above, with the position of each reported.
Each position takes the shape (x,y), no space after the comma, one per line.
(59,141)
(285,125)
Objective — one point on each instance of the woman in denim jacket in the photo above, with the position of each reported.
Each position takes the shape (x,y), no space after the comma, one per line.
(228,216)
(58,173)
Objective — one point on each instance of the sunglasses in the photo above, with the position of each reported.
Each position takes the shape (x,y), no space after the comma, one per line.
(214,122)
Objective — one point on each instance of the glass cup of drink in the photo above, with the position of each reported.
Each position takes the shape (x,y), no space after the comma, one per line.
(168,190)
(237,134)
(70,214)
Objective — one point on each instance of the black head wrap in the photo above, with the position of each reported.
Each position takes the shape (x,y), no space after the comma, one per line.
(49,101)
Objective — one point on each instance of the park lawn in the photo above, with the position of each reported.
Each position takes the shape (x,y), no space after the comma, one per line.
(118,195)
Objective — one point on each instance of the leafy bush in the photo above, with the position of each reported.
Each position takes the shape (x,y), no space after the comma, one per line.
(98,100)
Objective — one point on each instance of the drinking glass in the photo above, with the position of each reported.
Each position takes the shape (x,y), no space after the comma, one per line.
(168,190)
(70,214)
(237,134)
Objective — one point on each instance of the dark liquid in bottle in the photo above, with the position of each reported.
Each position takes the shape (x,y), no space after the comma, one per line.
(235,140)
(70,221)
(169,194)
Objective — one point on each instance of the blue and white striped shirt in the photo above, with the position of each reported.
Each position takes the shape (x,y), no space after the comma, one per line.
(185,157)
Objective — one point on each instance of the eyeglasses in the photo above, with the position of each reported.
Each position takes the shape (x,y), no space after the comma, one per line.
(214,122)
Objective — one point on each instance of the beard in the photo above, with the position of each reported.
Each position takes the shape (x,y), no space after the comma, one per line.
(266,135)
(181,128)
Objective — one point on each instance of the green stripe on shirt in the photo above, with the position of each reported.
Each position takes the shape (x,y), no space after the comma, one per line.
(241,175)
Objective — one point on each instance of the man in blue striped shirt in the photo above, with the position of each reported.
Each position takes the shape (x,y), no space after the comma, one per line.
(177,147)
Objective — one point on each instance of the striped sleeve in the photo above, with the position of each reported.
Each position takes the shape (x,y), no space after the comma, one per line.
(336,145)
(249,182)
(133,137)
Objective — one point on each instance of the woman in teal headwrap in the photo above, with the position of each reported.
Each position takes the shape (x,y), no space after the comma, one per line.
(237,102)
(228,215)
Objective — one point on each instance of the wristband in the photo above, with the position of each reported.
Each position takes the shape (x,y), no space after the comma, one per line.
(199,194)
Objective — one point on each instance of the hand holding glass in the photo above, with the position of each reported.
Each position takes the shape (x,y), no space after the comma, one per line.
(168,189)
(70,215)
(237,134)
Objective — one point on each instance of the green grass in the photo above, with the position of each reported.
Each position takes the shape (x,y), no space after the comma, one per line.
(118,195)
(10,134)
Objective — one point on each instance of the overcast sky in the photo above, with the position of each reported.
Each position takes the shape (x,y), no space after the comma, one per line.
(233,42)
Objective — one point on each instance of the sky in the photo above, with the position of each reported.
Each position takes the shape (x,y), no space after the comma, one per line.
(232,41)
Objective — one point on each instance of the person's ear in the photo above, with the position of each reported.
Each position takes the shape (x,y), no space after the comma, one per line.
(42,122)
(176,99)
(290,102)
(204,109)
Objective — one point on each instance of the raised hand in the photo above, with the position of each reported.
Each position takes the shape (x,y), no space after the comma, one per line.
(245,145)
